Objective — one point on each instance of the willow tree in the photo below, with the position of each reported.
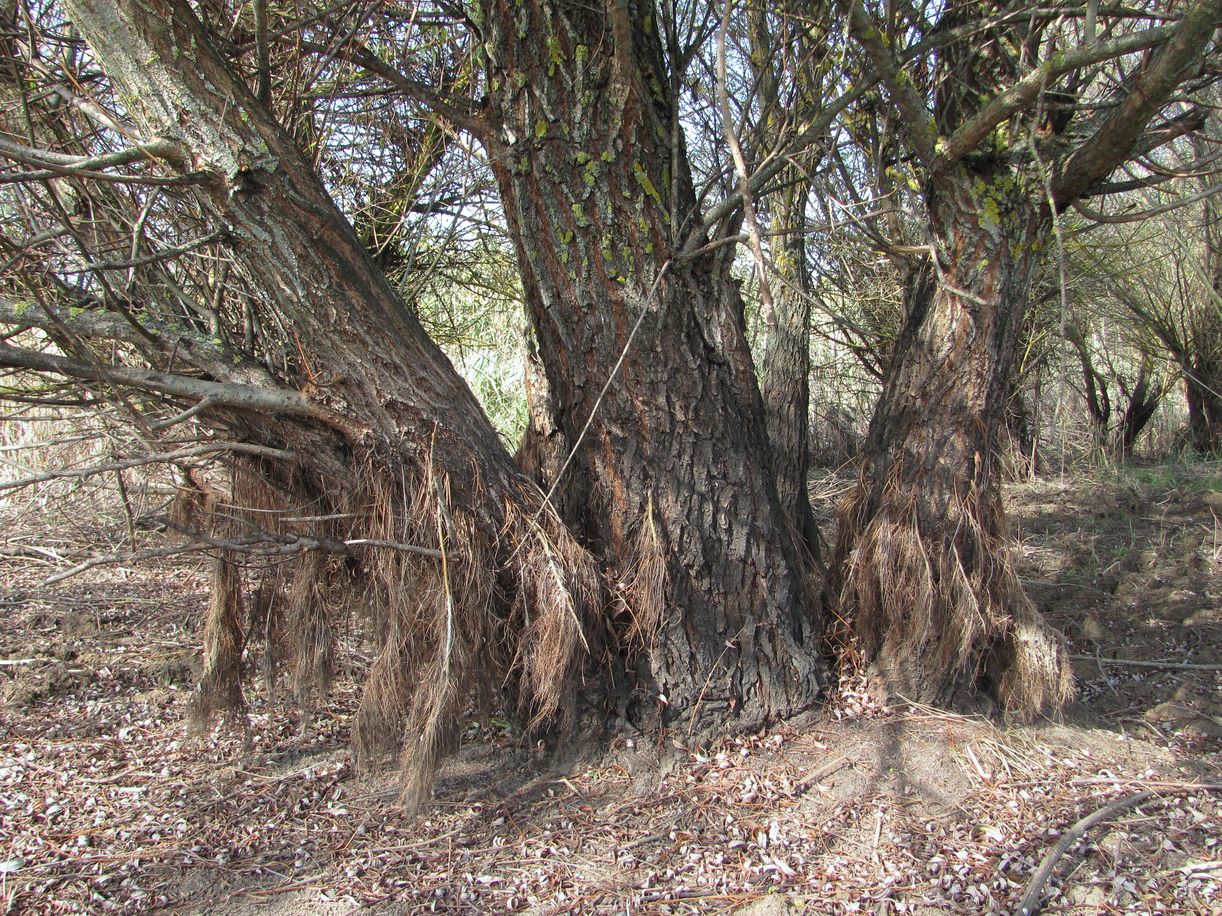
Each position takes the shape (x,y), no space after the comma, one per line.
(651,388)
(674,548)
(1010,115)
(474,581)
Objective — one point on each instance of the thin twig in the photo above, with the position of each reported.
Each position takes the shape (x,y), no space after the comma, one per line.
(1139,663)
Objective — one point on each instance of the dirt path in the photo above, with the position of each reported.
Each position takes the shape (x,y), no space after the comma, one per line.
(108,804)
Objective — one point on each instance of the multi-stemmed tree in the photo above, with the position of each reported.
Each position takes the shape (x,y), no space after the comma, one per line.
(662,540)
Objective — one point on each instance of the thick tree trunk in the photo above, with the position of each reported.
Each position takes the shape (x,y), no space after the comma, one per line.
(506,599)
(670,482)
(922,570)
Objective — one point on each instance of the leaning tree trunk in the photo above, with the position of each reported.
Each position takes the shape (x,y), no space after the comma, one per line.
(502,593)
(670,482)
(922,571)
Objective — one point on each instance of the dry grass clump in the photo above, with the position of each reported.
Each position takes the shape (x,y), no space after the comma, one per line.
(936,605)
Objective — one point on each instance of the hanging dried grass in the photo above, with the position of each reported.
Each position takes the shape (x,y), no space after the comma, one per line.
(644,591)
(558,589)
(312,637)
(265,626)
(936,605)
(220,688)
(502,619)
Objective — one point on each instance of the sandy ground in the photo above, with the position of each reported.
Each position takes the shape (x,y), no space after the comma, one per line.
(108,804)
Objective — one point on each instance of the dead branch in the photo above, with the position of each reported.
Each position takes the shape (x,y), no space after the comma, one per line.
(1139,663)
(194,451)
(1029,903)
(262,544)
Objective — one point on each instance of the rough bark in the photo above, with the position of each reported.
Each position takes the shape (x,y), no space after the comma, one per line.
(509,598)
(671,482)
(922,571)
(922,568)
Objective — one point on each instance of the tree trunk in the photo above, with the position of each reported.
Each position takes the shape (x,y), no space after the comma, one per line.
(670,482)
(1203,387)
(1143,400)
(1098,402)
(922,570)
(784,93)
(505,597)
(1203,377)
(786,370)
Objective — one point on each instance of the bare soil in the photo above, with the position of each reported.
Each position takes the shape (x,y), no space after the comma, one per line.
(109,804)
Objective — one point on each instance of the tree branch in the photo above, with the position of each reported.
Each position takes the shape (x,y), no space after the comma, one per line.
(279,401)
(915,119)
(1027,90)
(1115,138)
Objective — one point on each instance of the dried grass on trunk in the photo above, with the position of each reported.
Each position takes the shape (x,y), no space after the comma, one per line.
(505,608)
(645,587)
(220,687)
(936,606)
(499,621)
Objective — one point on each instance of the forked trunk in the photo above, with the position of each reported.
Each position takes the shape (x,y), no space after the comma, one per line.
(648,371)
(923,572)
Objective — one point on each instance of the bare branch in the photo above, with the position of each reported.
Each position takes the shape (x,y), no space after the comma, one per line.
(1115,138)
(1027,90)
(224,394)
(915,119)
(194,451)
(1140,215)
(263,544)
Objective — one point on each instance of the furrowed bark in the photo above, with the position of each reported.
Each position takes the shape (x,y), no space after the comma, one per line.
(671,483)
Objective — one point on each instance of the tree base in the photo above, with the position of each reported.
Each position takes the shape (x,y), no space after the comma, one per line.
(938,611)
